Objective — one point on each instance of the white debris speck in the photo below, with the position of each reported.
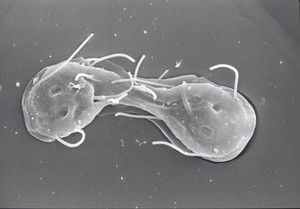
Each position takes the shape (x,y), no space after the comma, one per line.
(5,127)
(266,43)
(41,60)
(41,178)
(122,142)
(115,35)
(0,87)
(140,143)
(130,16)
(116,166)
(14,44)
(280,62)
(124,9)
(18,84)
(216,150)
(145,32)
(178,63)
(239,42)
(151,3)
(210,180)
(122,178)
(16,132)
(262,101)
(50,56)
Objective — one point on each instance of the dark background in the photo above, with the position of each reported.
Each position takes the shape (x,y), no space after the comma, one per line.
(259,38)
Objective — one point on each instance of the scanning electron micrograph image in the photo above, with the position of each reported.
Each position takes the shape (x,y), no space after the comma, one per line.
(149,104)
